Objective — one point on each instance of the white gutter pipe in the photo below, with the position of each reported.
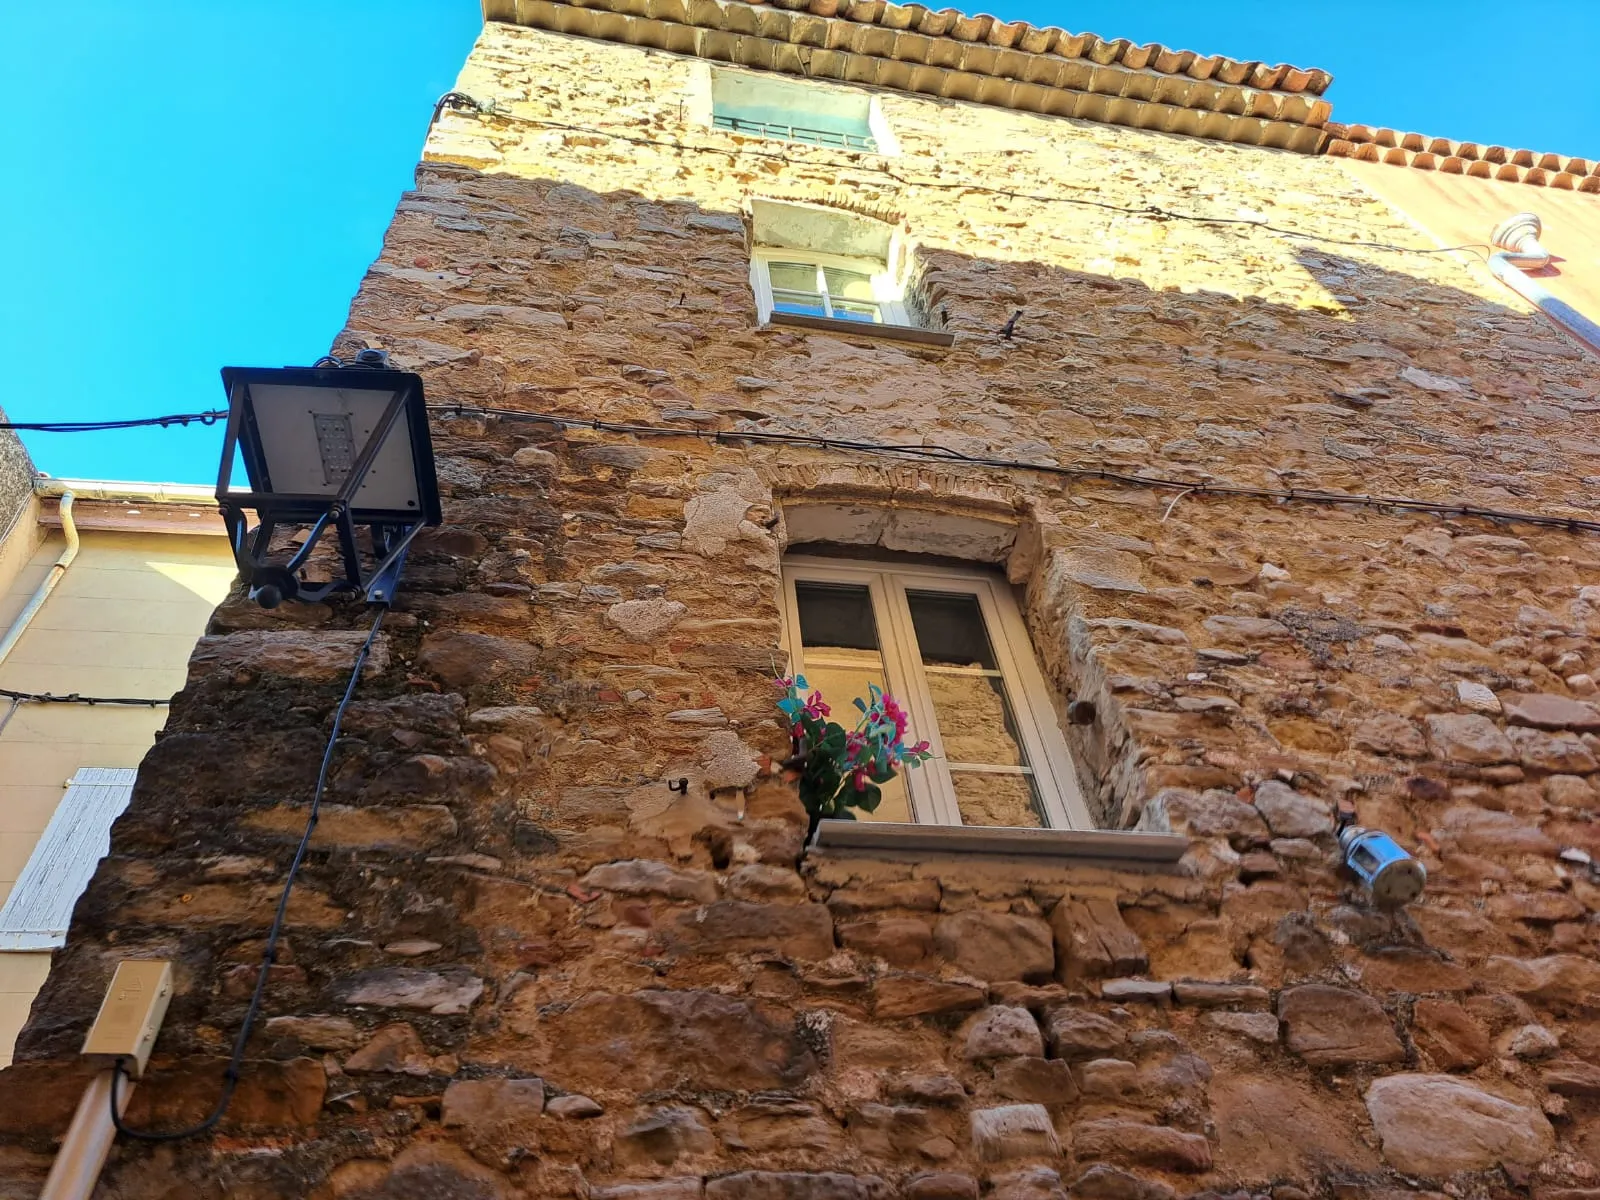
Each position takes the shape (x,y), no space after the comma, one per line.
(1518,240)
(57,569)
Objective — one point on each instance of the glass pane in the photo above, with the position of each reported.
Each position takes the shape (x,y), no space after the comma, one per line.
(975,720)
(836,615)
(847,285)
(808,304)
(850,310)
(992,798)
(840,658)
(793,277)
(950,630)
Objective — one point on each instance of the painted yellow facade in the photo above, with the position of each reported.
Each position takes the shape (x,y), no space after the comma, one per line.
(121,622)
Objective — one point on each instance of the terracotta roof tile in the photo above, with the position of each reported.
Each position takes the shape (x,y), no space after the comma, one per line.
(946,53)
(1366,144)
(980,28)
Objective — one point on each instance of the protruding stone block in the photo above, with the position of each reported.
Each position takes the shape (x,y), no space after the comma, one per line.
(1013,1131)
(1093,942)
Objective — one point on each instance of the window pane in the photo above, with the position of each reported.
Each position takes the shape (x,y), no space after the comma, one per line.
(847,285)
(992,798)
(807,304)
(975,720)
(850,310)
(840,658)
(836,615)
(950,630)
(793,277)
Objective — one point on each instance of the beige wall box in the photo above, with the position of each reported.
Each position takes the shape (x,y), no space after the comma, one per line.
(131,1014)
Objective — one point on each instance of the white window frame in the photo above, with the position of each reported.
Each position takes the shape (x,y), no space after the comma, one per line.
(806,99)
(932,793)
(889,296)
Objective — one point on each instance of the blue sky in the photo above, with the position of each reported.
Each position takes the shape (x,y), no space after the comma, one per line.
(198,183)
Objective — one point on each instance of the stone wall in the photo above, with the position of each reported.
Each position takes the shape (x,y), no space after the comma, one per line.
(16,479)
(519,965)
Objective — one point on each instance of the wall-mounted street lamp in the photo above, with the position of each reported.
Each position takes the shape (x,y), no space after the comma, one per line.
(329,446)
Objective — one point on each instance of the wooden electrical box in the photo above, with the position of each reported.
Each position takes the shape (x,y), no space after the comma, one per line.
(131,1014)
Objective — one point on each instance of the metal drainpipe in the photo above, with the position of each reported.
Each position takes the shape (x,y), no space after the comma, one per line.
(1518,239)
(42,593)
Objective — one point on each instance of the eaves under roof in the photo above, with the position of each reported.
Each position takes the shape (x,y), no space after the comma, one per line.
(948,54)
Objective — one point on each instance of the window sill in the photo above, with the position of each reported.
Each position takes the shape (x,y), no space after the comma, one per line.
(898,333)
(1106,847)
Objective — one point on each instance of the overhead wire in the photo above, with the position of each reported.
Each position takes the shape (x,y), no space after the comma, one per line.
(947,455)
(230,1079)
(76,698)
(179,419)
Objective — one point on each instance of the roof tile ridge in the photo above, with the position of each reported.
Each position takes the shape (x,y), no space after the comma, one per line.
(1365,143)
(991,30)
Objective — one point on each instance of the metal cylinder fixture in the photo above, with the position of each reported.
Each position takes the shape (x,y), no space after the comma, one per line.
(1396,879)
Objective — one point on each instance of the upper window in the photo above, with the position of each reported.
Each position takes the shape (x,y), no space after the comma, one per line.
(811,261)
(826,285)
(951,646)
(767,106)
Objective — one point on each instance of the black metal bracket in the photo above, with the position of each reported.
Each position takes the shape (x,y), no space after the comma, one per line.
(272,583)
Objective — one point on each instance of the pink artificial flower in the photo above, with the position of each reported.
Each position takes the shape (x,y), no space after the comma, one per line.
(859,778)
(895,713)
(815,707)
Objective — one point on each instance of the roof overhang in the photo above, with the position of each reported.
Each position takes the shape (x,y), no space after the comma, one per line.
(1013,65)
(119,507)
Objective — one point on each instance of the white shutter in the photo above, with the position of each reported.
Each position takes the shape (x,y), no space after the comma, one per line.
(37,912)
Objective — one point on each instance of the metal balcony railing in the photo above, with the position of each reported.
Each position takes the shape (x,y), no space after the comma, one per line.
(796,133)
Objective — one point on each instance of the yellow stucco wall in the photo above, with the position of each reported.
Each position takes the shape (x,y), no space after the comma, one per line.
(121,623)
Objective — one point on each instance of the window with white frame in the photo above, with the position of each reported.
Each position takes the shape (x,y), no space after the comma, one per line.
(760,104)
(813,262)
(950,645)
(826,285)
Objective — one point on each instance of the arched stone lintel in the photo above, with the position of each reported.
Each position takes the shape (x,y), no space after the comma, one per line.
(912,509)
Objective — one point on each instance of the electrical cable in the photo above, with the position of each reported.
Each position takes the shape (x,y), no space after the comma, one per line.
(946,455)
(75,698)
(1153,212)
(180,419)
(455,102)
(231,1075)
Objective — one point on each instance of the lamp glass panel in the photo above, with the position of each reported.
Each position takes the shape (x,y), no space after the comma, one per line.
(310,436)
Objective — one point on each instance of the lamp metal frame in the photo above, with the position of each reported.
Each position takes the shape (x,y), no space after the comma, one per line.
(392,532)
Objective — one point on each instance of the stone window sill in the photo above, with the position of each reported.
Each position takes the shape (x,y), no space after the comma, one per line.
(896,333)
(1108,847)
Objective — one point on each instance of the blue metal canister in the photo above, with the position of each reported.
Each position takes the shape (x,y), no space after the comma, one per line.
(1395,877)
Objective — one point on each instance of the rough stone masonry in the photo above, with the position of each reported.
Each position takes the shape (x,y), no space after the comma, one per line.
(517,965)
